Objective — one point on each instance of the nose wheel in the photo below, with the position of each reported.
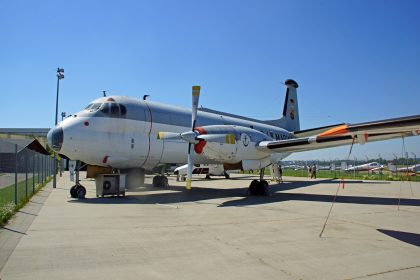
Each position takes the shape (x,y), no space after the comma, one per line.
(78,191)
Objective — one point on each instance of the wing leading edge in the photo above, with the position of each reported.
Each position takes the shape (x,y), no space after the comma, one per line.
(345,134)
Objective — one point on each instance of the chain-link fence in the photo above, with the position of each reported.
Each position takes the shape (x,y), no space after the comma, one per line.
(21,171)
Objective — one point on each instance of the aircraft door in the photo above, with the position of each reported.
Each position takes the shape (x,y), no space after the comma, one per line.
(154,147)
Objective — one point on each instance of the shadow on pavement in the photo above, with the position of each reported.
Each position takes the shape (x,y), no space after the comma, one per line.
(178,194)
(407,237)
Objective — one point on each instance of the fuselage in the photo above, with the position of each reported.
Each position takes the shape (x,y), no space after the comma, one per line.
(122,132)
(364,167)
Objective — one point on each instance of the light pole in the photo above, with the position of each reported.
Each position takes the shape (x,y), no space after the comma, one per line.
(60,75)
(354,168)
(396,162)
(380,165)
(415,159)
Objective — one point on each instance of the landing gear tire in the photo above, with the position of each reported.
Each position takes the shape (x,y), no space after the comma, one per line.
(73,192)
(227,176)
(78,191)
(81,192)
(259,188)
(253,187)
(160,181)
(265,188)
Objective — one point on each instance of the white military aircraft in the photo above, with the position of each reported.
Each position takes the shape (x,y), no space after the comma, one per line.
(134,135)
(411,169)
(366,167)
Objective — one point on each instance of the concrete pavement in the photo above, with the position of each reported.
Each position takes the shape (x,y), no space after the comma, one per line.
(217,232)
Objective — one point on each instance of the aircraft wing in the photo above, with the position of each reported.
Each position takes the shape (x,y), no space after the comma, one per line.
(345,134)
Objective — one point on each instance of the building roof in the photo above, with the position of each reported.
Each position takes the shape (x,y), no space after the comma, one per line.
(8,146)
(25,131)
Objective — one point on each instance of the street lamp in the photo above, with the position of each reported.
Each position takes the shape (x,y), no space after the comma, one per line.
(60,75)
(396,163)
(380,165)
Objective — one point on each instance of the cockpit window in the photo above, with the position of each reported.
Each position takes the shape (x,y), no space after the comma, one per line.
(123,109)
(104,108)
(113,109)
(93,107)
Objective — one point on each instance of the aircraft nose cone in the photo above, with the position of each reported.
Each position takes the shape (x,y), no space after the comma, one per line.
(55,138)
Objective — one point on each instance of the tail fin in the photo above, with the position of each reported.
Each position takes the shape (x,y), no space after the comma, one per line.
(290,117)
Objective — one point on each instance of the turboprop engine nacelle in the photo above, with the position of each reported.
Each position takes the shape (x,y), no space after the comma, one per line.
(227,143)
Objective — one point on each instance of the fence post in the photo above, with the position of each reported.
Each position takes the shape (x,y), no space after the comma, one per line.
(16,171)
(26,171)
(43,169)
(33,172)
(38,169)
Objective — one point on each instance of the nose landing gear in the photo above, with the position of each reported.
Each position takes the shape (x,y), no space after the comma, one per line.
(78,191)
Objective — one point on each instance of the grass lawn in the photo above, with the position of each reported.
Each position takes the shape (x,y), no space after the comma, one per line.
(7,194)
(25,192)
(361,175)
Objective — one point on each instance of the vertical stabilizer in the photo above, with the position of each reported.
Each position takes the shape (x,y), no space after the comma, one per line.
(291,110)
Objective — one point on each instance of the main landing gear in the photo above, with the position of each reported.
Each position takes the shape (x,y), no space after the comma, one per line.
(160,181)
(78,191)
(259,187)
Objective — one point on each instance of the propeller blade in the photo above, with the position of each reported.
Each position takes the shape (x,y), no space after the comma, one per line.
(169,135)
(195,98)
(188,137)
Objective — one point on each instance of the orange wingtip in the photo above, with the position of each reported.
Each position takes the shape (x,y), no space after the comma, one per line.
(341,129)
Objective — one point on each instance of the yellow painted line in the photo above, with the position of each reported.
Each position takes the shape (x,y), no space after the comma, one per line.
(232,139)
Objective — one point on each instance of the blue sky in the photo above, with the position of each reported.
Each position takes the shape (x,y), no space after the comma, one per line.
(355,61)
